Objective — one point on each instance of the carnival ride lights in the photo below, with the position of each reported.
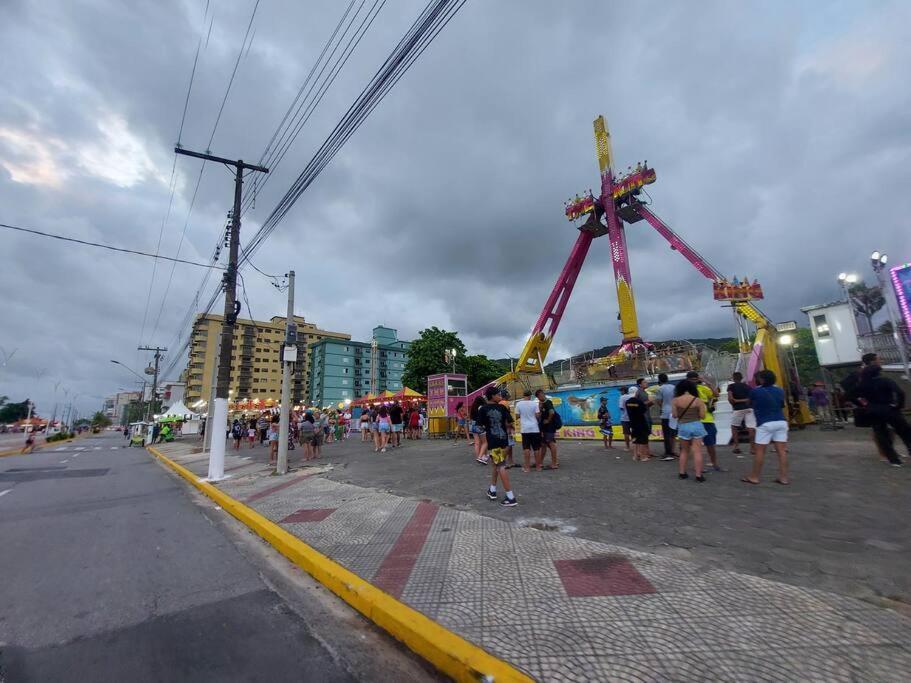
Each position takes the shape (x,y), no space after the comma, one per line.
(605,214)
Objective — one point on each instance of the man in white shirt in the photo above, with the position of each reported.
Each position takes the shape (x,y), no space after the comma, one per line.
(529,411)
(668,424)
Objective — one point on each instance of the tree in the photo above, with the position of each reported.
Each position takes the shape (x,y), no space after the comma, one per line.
(867,301)
(99,419)
(427,356)
(13,412)
(808,369)
(480,369)
(885,328)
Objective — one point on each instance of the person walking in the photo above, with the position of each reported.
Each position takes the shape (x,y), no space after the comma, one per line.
(605,424)
(364,423)
(709,396)
(742,415)
(550,424)
(477,430)
(461,421)
(251,436)
(768,403)
(384,428)
(624,416)
(884,401)
(639,427)
(664,398)
(414,424)
(237,432)
(689,410)
(395,418)
(307,435)
(497,422)
(273,442)
(529,412)
(263,425)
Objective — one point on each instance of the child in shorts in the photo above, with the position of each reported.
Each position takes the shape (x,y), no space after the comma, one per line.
(497,422)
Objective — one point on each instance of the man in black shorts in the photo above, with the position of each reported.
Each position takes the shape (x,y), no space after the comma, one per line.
(497,421)
(548,431)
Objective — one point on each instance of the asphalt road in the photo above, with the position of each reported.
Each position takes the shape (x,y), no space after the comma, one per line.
(113,569)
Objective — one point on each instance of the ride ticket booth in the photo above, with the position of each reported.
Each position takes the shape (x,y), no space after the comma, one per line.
(444,393)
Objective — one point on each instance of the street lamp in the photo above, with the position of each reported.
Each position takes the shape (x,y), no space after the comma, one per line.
(847,279)
(878,261)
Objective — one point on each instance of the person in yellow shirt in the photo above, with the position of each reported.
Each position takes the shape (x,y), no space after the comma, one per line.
(709,396)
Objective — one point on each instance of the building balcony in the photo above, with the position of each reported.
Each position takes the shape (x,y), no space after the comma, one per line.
(885,346)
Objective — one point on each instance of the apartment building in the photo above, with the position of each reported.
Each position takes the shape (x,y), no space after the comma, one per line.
(341,370)
(256,371)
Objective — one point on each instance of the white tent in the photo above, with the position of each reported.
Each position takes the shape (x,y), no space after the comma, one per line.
(177,410)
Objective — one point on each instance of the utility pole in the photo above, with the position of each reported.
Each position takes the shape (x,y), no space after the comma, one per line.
(157,350)
(219,411)
(289,357)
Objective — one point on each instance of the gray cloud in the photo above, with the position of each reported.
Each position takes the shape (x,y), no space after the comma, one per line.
(778,133)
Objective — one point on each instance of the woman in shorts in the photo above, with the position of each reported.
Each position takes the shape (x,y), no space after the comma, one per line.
(477,429)
(365,425)
(689,410)
(462,422)
(384,428)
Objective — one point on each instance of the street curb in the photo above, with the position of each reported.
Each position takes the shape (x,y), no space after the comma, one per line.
(447,651)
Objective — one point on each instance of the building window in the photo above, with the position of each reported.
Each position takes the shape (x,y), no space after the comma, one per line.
(346,371)
(822,326)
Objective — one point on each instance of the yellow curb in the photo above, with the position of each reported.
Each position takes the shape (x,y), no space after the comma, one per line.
(447,651)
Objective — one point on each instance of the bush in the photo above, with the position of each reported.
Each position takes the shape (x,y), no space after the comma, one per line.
(60,436)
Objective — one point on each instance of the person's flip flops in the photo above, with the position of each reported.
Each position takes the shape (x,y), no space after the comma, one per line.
(746,480)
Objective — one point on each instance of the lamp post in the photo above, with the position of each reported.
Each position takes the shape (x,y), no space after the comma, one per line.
(878,261)
(846,280)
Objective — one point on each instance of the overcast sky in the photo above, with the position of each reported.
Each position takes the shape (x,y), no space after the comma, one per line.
(779,132)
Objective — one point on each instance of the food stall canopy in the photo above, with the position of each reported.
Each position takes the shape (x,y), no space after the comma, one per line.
(176,413)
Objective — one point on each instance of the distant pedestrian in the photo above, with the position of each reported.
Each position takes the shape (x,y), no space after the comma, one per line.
(251,436)
(263,425)
(821,400)
(742,415)
(709,397)
(364,422)
(668,421)
(414,424)
(308,436)
(884,401)
(639,427)
(689,410)
(529,412)
(477,430)
(550,424)
(396,420)
(384,428)
(624,416)
(273,442)
(29,443)
(497,423)
(768,403)
(237,432)
(461,421)
(605,424)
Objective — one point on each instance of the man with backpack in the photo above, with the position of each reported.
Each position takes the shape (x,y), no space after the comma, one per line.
(551,422)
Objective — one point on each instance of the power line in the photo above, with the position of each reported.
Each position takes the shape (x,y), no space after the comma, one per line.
(173,181)
(202,167)
(107,246)
(435,16)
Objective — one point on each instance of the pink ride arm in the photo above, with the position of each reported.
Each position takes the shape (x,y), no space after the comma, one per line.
(559,296)
(678,243)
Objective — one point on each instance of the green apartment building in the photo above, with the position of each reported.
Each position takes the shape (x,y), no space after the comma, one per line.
(341,369)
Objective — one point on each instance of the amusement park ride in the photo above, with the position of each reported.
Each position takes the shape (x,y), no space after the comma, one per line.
(605,214)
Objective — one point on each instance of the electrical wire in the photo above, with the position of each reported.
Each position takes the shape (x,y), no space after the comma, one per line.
(87,243)
(172,183)
(202,166)
(435,16)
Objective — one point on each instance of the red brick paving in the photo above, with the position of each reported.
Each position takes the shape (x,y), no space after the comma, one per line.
(278,487)
(308,515)
(393,574)
(602,575)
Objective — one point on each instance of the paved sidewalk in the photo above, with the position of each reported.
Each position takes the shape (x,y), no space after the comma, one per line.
(564,608)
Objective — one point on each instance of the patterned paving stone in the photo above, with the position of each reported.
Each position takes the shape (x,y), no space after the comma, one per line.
(570,609)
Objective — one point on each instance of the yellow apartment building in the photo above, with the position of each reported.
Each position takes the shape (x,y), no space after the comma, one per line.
(256,371)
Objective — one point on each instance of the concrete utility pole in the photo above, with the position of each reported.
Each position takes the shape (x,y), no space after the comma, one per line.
(219,411)
(157,350)
(289,357)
